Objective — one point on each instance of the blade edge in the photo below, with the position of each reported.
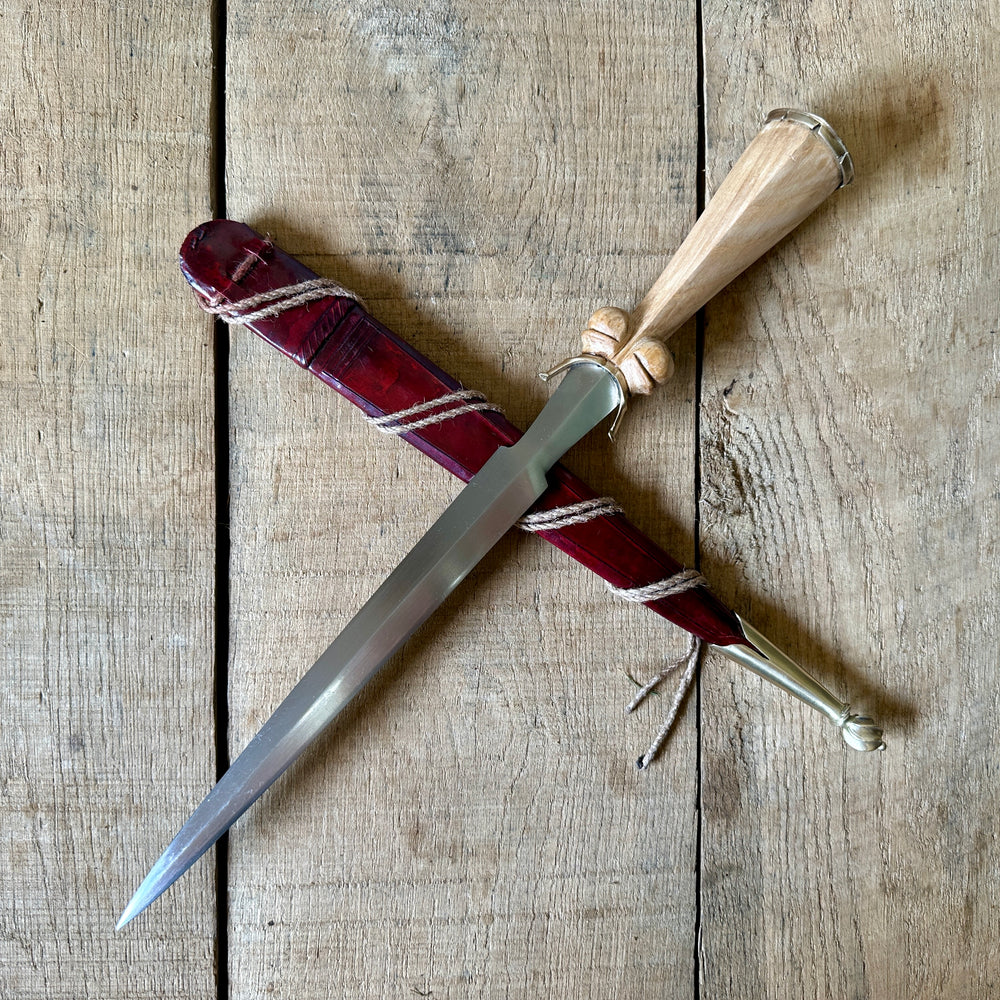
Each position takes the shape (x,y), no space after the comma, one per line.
(473,523)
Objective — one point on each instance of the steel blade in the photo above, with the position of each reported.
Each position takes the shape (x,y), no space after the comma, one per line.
(506,486)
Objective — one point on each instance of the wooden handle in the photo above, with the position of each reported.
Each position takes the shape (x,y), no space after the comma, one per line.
(793,164)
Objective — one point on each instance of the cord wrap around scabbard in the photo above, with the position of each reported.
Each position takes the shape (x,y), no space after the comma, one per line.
(243,278)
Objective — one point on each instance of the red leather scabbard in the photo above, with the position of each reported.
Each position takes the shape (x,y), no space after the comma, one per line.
(335,338)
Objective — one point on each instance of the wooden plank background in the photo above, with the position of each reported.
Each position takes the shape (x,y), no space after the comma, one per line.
(474,826)
(106,496)
(506,845)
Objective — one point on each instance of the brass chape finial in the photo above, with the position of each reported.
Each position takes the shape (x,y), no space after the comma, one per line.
(761,656)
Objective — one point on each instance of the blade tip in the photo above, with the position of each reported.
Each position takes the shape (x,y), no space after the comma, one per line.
(134,908)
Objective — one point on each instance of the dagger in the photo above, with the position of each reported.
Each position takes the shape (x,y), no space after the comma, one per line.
(792,165)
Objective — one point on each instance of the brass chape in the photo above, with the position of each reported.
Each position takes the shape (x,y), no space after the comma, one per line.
(765,659)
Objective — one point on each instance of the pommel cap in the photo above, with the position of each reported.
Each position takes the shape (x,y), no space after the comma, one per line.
(825,131)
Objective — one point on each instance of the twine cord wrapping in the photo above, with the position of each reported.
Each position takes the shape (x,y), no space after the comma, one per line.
(690,661)
(401,422)
(573,513)
(679,583)
(687,579)
(266,305)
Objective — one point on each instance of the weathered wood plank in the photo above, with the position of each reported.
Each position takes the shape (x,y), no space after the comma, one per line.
(475,824)
(850,493)
(106,497)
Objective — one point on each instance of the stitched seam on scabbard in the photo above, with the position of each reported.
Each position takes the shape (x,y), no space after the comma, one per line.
(266,305)
(574,513)
(680,582)
(401,422)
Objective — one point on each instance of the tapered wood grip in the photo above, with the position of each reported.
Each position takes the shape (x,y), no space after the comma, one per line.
(794,163)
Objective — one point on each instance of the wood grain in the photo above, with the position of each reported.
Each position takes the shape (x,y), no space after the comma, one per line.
(850,506)
(476,825)
(486,177)
(106,499)
(793,164)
